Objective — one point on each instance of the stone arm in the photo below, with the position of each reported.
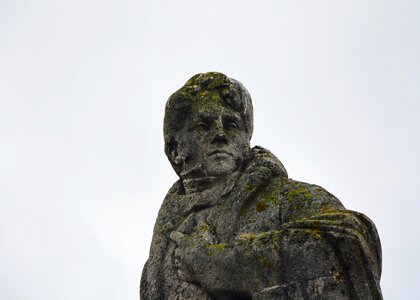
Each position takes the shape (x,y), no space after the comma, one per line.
(336,255)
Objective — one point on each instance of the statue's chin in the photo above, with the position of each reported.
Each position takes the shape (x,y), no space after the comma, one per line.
(221,167)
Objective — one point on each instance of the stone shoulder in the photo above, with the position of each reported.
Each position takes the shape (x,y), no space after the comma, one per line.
(300,200)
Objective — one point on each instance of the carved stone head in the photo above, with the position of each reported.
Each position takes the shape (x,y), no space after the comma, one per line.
(208,126)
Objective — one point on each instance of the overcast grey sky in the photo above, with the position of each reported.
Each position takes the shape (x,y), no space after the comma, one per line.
(83,85)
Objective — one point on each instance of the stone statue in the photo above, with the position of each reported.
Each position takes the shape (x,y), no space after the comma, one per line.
(234,226)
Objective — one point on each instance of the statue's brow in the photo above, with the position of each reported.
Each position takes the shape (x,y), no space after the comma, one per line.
(204,115)
(231,117)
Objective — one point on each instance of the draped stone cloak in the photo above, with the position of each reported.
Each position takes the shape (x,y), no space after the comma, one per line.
(269,237)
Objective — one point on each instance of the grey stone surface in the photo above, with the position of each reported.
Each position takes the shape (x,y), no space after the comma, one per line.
(234,226)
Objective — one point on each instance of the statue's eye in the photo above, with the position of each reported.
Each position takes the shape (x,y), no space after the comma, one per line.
(204,125)
(231,125)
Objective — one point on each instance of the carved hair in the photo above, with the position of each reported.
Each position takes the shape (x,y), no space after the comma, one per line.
(212,84)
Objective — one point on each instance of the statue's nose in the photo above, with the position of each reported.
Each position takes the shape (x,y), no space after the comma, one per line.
(220,135)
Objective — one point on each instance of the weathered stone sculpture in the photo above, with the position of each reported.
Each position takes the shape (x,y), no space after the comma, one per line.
(235,226)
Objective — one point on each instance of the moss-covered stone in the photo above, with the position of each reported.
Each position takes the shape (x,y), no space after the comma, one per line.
(236,227)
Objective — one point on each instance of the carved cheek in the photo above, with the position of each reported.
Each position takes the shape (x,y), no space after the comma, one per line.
(238,138)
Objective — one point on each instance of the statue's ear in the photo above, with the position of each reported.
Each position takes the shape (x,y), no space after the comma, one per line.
(171,150)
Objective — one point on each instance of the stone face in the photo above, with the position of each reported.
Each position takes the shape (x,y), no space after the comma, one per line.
(234,226)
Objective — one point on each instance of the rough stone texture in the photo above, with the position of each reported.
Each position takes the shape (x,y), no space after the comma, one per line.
(234,226)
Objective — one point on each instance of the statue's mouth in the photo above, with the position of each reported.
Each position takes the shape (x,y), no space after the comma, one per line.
(219,153)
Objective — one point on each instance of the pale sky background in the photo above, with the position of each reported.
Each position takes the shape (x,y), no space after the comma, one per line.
(83,84)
